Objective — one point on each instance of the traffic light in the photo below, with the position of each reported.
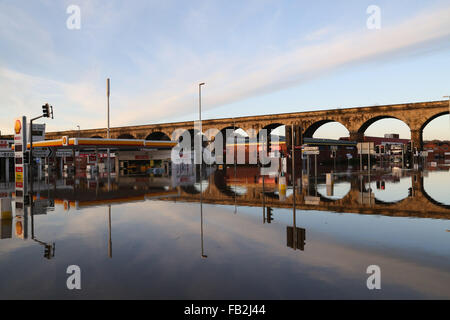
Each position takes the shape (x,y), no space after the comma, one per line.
(409,147)
(269,214)
(47,110)
(26,157)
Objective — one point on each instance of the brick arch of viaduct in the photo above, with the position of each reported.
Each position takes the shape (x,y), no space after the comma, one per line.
(356,120)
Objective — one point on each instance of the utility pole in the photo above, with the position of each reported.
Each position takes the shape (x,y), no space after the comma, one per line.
(201,164)
(293,159)
(108,134)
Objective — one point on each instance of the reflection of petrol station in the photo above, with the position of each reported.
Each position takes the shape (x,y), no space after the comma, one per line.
(6,218)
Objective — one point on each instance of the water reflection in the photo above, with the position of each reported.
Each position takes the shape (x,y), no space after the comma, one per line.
(155,222)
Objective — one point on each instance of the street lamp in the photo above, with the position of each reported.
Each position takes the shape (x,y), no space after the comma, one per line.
(78,131)
(200,101)
(201,164)
(108,91)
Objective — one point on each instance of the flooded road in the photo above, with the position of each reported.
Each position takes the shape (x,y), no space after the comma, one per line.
(235,235)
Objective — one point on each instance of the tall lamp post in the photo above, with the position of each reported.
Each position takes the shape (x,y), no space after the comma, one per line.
(201,164)
(107,134)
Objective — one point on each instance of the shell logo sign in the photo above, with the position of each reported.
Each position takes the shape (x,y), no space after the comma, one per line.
(66,205)
(19,229)
(64,140)
(18,126)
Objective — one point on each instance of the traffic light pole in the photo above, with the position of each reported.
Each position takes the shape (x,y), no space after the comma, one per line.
(31,140)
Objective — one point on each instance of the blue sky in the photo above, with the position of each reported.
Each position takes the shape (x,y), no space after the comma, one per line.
(256,57)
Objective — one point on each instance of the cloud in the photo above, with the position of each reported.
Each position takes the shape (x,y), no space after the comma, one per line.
(24,94)
(230,80)
(162,83)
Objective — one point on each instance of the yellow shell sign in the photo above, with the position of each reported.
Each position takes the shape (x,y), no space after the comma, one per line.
(19,228)
(18,126)
(19,177)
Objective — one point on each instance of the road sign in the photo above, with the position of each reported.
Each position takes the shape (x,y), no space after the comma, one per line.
(308,148)
(295,238)
(6,154)
(38,132)
(64,153)
(312,200)
(307,152)
(41,152)
(4,144)
(366,148)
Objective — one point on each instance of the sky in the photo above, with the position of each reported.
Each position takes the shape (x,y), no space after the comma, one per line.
(255,56)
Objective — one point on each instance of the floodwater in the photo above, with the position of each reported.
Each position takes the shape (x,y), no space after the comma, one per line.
(233,236)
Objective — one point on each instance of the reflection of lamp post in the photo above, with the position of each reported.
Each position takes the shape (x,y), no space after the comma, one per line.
(109,232)
(234,160)
(201,229)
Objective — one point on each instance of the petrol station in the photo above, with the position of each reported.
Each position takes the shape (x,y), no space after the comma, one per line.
(125,156)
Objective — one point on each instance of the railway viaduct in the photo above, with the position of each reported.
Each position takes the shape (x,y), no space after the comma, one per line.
(356,120)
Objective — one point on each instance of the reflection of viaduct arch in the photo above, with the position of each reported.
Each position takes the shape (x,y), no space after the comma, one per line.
(327,199)
(190,189)
(221,185)
(428,197)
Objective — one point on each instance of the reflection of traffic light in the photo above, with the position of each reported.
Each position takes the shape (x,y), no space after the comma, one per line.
(383,185)
(49,251)
(269,215)
(410,192)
